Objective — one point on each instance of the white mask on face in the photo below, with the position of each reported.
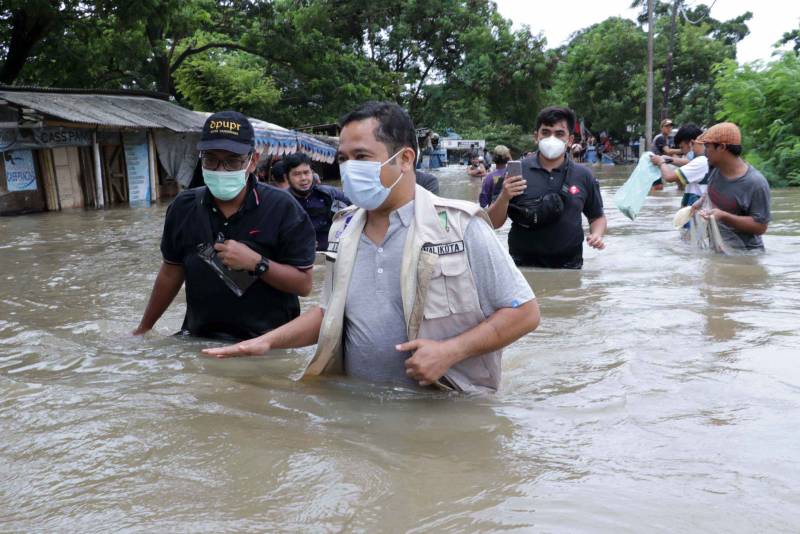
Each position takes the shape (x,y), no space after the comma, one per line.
(552,147)
(361,181)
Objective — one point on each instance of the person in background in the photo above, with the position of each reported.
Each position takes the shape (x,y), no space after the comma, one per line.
(501,157)
(476,168)
(279,175)
(739,193)
(321,202)
(693,175)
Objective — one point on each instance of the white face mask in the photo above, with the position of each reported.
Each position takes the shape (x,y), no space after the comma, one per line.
(552,147)
(361,181)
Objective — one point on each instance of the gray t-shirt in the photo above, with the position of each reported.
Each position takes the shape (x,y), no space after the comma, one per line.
(374,320)
(747,195)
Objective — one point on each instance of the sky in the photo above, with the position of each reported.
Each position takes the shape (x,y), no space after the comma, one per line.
(558,19)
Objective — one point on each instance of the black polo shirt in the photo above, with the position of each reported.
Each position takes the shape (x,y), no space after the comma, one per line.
(561,243)
(270,222)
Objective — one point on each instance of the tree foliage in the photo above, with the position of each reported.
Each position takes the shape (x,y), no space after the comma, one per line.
(762,101)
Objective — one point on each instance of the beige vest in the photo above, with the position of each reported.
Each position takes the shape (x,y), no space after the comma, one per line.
(440,300)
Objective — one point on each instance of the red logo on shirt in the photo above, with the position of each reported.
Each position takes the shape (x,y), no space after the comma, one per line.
(574,190)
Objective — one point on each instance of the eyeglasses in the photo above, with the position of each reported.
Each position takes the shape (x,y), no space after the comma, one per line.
(212,162)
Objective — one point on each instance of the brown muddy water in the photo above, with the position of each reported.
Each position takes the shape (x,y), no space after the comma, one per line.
(660,393)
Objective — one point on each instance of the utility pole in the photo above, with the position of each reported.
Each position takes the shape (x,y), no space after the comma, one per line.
(668,71)
(648,114)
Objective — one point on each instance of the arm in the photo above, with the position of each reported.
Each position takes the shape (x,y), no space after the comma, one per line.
(286,278)
(512,186)
(300,332)
(742,223)
(667,173)
(432,359)
(167,284)
(597,229)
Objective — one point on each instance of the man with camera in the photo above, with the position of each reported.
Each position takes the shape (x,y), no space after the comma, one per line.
(546,197)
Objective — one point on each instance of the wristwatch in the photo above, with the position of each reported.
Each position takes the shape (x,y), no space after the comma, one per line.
(667,160)
(262,266)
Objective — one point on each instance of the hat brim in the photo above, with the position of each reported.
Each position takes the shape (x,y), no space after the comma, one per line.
(225,144)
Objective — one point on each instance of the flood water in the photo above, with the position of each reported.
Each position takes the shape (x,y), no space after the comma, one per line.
(660,393)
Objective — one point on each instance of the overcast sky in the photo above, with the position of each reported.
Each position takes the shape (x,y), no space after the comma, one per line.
(558,19)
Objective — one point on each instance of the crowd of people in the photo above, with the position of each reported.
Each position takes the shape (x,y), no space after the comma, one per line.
(418,289)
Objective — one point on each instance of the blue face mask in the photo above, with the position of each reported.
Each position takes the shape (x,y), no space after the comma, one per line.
(361,181)
(690,155)
(225,185)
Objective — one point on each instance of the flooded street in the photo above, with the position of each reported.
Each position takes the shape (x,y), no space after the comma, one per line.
(660,393)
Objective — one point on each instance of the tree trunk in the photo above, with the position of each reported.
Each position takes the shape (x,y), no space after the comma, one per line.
(668,70)
(27,29)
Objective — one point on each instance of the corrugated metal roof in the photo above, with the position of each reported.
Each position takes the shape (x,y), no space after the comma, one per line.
(124,111)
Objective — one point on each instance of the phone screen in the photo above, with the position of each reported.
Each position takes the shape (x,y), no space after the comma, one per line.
(514,168)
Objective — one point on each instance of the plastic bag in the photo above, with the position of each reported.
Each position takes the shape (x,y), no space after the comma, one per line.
(631,196)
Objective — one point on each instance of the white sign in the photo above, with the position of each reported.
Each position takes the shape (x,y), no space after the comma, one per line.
(462,144)
(138,166)
(20,170)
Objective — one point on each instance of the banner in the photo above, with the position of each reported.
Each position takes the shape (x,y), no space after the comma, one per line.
(20,170)
(34,138)
(138,167)
(462,144)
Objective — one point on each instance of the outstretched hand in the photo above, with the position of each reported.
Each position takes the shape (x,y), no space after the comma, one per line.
(252,347)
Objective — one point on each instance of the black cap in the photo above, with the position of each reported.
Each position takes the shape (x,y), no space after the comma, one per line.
(227,130)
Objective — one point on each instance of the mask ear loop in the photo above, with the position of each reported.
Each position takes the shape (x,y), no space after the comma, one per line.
(401,173)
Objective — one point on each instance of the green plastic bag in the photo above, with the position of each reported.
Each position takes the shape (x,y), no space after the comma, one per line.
(631,196)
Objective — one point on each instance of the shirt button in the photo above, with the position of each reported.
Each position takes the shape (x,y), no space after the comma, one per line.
(380,249)
(380,270)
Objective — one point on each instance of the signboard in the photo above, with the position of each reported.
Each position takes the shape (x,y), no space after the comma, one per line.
(33,138)
(462,144)
(138,167)
(20,170)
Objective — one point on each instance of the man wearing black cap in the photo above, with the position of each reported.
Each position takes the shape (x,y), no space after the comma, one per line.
(244,249)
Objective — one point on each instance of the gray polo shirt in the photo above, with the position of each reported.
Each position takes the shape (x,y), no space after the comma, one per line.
(374,322)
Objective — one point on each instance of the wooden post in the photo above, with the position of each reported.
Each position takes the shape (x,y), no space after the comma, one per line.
(151,158)
(99,194)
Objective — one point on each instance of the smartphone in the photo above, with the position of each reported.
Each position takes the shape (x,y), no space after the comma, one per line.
(514,168)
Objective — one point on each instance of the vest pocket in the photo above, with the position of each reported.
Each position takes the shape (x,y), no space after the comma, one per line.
(451,289)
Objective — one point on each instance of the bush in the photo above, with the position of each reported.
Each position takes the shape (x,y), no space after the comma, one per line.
(763,101)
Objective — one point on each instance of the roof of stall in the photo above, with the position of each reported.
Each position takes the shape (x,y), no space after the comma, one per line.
(279,141)
(123,109)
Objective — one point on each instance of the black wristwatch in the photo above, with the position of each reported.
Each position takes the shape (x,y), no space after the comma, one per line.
(262,266)
(667,160)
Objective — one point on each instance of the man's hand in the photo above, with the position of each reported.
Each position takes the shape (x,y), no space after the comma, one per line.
(513,186)
(251,347)
(596,241)
(237,256)
(656,160)
(698,204)
(140,330)
(429,362)
(717,213)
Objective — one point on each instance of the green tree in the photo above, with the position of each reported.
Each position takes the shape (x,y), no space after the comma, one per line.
(763,102)
(601,75)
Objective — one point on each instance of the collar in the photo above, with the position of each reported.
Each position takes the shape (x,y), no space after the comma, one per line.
(405,213)
(251,201)
(534,163)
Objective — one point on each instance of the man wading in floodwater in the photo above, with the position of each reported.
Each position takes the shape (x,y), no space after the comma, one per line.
(418,289)
(244,249)
(546,202)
